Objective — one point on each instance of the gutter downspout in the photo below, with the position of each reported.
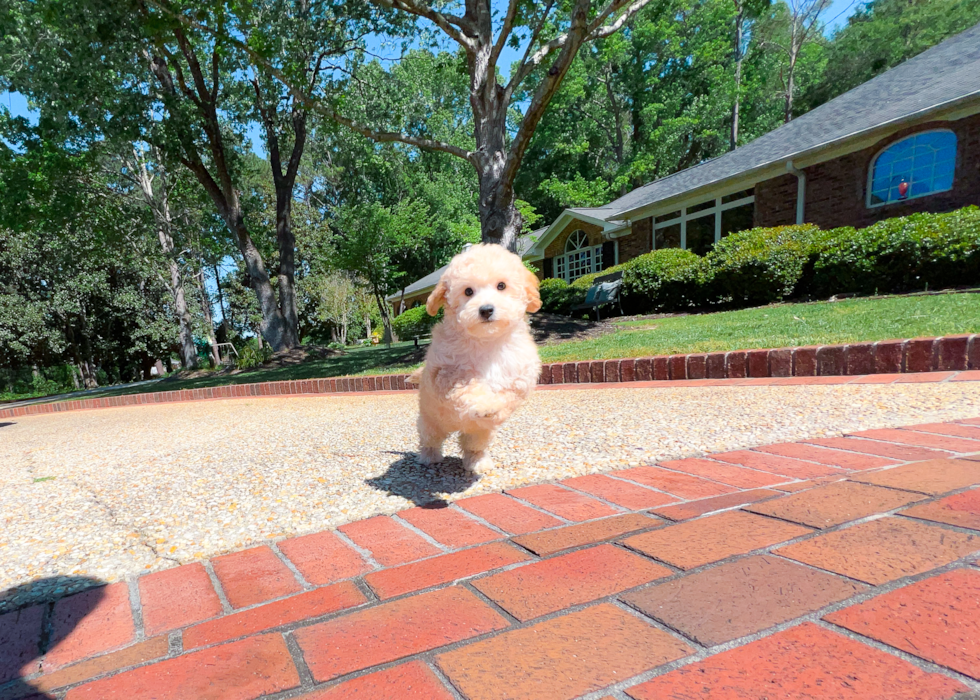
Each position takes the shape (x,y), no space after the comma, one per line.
(800,190)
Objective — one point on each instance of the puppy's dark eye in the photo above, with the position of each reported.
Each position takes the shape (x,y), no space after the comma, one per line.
(468,291)
(501,286)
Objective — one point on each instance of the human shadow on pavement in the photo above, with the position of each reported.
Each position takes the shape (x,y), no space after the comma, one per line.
(4,425)
(31,631)
(420,484)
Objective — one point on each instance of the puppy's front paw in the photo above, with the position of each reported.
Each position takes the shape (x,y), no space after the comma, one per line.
(485,408)
(430,455)
(477,462)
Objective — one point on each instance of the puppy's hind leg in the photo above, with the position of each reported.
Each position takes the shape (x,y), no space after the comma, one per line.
(431,437)
(476,449)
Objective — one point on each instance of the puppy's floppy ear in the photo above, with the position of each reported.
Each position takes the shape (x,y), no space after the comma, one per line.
(531,290)
(437,298)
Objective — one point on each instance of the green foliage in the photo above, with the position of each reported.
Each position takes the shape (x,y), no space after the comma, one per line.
(761,265)
(586,281)
(921,251)
(558,297)
(665,280)
(250,356)
(413,322)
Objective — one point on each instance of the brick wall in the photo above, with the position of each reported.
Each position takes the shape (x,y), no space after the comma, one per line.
(837,189)
(638,241)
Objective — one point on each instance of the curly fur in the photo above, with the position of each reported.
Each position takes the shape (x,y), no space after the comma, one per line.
(477,370)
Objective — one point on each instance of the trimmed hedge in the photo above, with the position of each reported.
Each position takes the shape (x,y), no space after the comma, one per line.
(761,265)
(558,297)
(920,251)
(413,322)
(665,280)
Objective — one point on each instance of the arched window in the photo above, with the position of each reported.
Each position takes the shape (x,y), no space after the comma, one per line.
(918,165)
(576,241)
(579,258)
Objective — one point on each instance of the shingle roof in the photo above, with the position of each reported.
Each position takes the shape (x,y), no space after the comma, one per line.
(524,244)
(945,74)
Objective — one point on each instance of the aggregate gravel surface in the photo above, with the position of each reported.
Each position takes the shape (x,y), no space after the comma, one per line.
(107,494)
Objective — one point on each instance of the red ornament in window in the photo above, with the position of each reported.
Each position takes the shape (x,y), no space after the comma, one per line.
(903,189)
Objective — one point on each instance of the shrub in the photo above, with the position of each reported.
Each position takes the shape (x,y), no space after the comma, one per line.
(761,265)
(558,297)
(898,255)
(665,280)
(413,322)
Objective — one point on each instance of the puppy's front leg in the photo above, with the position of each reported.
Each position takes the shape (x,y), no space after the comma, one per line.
(476,403)
(431,437)
(476,444)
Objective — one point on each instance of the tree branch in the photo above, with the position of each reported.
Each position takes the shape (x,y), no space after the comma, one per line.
(505,31)
(444,22)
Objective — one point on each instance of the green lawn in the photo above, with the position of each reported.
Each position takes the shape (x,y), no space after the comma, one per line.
(775,326)
(783,325)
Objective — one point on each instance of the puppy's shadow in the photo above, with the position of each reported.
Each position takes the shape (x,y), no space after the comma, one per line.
(407,478)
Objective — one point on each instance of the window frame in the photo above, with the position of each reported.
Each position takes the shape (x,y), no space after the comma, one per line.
(684,217)
(561,263)
(874,162)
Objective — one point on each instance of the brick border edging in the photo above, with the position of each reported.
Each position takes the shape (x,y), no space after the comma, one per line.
(942,354)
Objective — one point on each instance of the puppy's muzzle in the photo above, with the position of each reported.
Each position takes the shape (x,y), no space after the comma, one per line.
(486,312)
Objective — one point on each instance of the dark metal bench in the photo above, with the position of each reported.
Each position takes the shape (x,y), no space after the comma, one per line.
(604,290)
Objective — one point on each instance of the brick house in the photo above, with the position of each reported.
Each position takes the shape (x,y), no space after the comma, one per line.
(906,141)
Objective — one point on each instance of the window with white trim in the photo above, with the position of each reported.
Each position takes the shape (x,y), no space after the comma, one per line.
(698,227)
(579,257)
(916,166)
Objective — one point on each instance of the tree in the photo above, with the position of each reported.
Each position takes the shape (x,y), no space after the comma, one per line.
(883,33)
(342,301)
(795,25)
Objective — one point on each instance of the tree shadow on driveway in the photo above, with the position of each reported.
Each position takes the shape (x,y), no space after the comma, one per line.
(28,633)
(420,484)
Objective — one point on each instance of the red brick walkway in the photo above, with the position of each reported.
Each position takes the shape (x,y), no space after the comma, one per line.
(830,568)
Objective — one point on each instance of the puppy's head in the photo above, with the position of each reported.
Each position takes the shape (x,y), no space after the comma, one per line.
(487,290)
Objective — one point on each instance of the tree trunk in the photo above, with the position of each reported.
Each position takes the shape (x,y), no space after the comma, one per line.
(208,319)
(739,56)
(226,320)
(287,267)
(273,325)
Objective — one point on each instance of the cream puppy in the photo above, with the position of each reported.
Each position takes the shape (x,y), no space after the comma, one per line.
(482,362)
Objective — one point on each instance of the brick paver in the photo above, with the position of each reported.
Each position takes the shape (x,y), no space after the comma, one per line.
(176,598)
(551,541)
(241,670)
(134,655)
(962,510)
(729,474)
(507,514)
(408,681)
(562,658)
(20,638)
(449,527)
(802,662)
(882,449)
(937,619)
(304,606)
(374,618)
(933,477)
(694,509)
(392,631)
(681,485)
(569,579)
(691,544)
(444,569)
(822,455)
(834,504)
(323,558)
(254,576)
(390,543)
(622,493)
(883,550)
(784,466)
(909,437)
(89,623)
(746,597)
(563,502)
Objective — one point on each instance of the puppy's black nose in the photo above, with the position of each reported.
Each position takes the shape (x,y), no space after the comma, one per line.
(486,311)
